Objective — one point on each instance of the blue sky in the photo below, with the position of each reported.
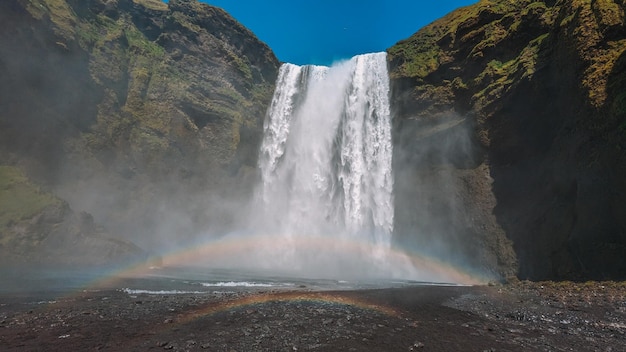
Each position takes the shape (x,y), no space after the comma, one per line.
(323,31)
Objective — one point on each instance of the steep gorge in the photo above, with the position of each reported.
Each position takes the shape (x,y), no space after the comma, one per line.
(509,131)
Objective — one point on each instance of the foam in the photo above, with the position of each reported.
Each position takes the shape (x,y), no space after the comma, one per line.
(240,284)
(159,292)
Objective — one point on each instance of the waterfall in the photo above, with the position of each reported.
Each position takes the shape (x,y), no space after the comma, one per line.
(325,163)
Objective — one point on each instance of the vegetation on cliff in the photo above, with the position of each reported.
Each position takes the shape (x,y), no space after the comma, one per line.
(38,228)
(21,199)
(126,108)
(543,84)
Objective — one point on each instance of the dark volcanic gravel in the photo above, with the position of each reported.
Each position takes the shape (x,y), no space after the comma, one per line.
(518,317)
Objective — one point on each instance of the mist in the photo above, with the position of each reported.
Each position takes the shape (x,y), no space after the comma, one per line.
(324,203)
(334,187)
(170,157)
(440,182)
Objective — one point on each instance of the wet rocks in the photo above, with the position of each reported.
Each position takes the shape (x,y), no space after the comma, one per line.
(503,318)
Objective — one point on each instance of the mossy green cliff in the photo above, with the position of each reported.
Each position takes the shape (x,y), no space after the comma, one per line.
(145,114)
(538,89)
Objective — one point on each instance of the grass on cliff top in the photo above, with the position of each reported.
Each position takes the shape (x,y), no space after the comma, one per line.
(502,75)
(422,53)
(20,198)
(60,13)
(152,4)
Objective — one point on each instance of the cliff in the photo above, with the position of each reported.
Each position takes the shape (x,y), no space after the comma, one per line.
(514,115)
(126,108)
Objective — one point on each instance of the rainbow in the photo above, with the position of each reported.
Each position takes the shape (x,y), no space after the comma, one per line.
(273,254)
(229,252)
(288,297)
(302,252)
(237,248)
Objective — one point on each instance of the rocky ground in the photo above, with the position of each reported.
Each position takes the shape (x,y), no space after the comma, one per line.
(516,317)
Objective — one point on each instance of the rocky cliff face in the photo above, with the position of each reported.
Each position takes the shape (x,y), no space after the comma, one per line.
(144,114)
(521,107)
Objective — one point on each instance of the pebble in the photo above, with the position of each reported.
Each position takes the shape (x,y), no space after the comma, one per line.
(326,326)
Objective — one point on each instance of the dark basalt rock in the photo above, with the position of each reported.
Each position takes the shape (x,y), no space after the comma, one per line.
(539,84)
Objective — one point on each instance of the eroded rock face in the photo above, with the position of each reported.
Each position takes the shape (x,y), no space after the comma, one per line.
(126,109)
(523,104)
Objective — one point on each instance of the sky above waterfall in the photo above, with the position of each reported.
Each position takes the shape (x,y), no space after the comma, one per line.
(323,31)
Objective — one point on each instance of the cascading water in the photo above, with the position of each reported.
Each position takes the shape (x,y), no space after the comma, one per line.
(323,207)
(326,192)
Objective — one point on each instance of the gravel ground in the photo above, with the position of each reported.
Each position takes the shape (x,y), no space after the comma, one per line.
(522,316)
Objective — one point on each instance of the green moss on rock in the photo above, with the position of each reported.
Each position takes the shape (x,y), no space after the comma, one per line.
(21,198)
(175,101)
(152,4)
(543,82)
